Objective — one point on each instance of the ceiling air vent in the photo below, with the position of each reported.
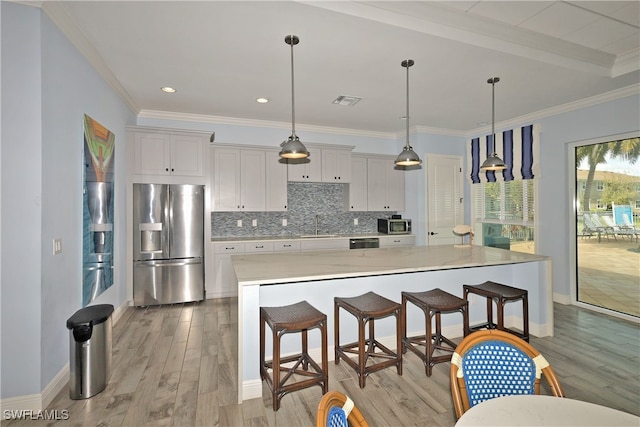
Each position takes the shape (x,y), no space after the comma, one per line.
(349,101)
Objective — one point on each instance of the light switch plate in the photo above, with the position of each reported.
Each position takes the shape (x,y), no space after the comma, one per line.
(284,222)
(57,246)
(254,222)
(355,221)
(239,223)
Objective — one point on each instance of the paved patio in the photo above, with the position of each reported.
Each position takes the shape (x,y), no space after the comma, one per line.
(609,274)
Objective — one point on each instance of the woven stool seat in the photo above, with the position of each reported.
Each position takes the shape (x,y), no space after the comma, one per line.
(299,317)
(433,303)
(500,294)
(366,308)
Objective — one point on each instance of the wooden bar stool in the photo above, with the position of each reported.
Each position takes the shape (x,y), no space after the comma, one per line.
(299,317)
(501,294)
(433,303)
(366,308)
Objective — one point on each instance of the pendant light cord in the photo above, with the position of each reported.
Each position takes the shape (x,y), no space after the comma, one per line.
(493,82)
(408,65)
(293,100)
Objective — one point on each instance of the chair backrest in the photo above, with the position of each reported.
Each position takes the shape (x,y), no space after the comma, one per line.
(492,363)
(335,409)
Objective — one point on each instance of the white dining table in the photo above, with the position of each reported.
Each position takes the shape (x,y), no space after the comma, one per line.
(539,410)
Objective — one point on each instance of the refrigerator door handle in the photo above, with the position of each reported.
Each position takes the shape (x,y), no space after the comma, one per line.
(159,263)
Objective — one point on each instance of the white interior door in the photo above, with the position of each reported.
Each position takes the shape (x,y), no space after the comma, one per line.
(444,199)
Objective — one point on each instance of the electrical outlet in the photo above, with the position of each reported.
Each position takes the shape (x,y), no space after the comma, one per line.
(239,223)
(254,222)
(355,221)
(284,222)
(57,246)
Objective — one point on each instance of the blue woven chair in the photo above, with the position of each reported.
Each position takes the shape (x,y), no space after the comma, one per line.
(337,410)
(493,363)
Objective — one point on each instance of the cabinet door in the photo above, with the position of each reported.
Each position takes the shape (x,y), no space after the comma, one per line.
(252,181)
(377,184)
(395,189)
(225,278)
(336,166)
(152,154)
(186,155)
(276,183)
(310,171)
(358,185)
(226,179)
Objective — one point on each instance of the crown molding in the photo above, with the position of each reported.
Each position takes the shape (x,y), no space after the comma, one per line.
(560,109)
(626,63)
(236,121)
(60,17)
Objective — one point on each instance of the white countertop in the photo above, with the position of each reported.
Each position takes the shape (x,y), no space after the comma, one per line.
(272,268)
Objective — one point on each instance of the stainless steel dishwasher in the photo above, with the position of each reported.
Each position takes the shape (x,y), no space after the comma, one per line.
(364,243)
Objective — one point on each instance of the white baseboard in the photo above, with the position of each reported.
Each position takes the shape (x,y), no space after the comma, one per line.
(562,299)
(55,386)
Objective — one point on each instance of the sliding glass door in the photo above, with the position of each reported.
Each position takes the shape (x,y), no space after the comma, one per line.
(607,192)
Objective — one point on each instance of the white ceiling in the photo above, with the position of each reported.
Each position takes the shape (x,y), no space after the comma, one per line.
(222,55)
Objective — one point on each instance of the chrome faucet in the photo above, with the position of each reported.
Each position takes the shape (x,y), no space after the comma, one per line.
(317,221)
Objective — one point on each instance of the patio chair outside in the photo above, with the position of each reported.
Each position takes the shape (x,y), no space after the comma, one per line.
(493,363)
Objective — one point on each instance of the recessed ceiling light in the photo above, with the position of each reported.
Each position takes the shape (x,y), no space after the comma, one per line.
(262,100)
(346,100)
(168,89)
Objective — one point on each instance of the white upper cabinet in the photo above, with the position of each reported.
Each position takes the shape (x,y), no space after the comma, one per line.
(169,154)
(385,191)
(276,183)
(336,165)
(306,170)
(358,185)
(326,163)
(238,180)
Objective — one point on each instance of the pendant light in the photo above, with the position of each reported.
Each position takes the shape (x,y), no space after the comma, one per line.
(292,148)
(408,157)
(493,162)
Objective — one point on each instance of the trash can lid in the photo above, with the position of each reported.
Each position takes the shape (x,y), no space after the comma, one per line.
(91,315)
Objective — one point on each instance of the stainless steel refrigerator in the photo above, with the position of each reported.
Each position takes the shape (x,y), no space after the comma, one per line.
(168,243)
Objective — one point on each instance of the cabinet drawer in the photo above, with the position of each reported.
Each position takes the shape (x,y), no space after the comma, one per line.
(287,245)
(228,248)
(258,247)
(397,241)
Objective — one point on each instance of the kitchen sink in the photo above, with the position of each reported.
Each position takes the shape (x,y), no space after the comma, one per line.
(318,236)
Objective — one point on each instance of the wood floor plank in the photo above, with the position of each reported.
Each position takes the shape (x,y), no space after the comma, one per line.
(176,366)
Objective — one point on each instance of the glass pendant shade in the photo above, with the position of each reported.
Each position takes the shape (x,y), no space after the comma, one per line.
(493,162)
(408,157)
(292,148)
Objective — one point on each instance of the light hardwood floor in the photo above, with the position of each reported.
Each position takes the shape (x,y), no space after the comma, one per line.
(175,365)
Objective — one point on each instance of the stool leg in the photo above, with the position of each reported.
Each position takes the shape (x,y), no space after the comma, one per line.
(465,318)
(262,350)
(400,326)
(490,323)
(325,362)
(276,370)
(336,332)
(404,324)
(428,342)
(361,354)
(305,350)
(525,316)
(500,308)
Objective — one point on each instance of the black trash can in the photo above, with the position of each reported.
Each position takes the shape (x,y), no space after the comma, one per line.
(90,350)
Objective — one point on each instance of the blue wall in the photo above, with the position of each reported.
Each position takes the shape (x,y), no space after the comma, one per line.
(47,86)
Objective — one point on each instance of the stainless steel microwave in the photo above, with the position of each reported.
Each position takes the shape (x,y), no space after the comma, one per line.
(394,226)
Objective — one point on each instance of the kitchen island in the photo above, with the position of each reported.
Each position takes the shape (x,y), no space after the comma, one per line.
(277,279)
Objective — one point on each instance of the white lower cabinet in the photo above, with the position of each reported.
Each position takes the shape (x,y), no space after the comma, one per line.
(223,282)
(389,241)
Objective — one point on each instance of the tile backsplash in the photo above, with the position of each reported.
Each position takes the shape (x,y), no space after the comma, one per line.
(305,201)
